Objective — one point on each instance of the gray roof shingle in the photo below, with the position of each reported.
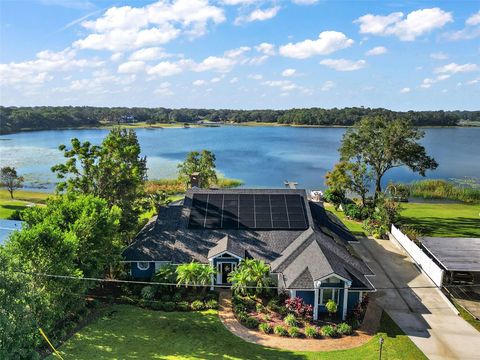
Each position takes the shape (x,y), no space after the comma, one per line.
(301,255)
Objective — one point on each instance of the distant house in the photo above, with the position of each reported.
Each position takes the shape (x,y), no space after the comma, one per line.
(222,227)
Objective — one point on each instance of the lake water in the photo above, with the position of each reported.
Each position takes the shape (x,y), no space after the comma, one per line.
(260,156)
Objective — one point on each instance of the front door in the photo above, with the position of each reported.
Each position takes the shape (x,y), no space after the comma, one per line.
(225,269)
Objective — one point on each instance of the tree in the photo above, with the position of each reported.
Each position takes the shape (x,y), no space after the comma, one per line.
(113,171)
(10,179)
(154,201)
(202,163)
(352,176)
(194,273)
(250,273)
(382,144)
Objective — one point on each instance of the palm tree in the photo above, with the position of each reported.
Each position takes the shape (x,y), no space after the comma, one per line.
(194,273)
(250,273)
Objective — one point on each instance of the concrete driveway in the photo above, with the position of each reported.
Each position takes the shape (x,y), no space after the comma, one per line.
(422,313)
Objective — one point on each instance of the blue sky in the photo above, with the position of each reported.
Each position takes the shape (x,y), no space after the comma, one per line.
(242,54)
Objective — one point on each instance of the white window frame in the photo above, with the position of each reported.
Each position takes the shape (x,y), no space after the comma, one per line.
(142,267)
(220,269)
(335,295)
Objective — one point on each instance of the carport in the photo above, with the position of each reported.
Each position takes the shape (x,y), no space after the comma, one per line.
(460,258)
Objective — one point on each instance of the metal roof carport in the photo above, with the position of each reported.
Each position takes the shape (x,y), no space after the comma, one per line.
(454,254)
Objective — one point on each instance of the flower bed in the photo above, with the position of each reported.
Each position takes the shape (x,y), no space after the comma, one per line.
(291,318)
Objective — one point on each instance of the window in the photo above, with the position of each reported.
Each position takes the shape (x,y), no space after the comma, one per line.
(143,265)
(328,294)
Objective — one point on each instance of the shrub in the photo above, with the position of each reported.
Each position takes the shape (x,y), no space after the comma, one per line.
(282,310)
(298,307)
(197,305)
(259,307)
(329,331)
(290,320)
(148,292)
(168,306)
(267,317)
(331,307)
(177,297)
(265,328)
(335,197)
(355,212)
(294,332)
(211,304)
(280,330)
(311,332)
(242,316)
(273,305)
(344,329)
(251,323)
(182,306)
(211,296)
(165,298)
(156,305)
(238,308)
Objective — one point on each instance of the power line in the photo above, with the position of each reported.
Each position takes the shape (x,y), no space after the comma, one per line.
(138,282)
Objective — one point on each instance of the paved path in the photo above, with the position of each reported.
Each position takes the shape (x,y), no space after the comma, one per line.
(256,337)
(422,313)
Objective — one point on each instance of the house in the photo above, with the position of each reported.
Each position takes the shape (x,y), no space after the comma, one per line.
(222,227)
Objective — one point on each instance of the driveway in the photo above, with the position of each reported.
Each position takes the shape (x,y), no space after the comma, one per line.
(422,313)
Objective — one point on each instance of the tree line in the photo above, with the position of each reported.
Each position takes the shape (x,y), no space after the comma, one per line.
(14,119)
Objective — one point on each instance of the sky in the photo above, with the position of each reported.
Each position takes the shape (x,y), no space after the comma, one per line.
(241,54)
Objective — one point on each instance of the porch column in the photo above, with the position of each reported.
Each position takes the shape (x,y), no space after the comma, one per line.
(345,300)
(212,277)
(315,305)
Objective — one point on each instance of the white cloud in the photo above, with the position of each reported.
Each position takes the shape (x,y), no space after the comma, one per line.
(405,90)
(471,30)
(474,19)
(164,89)
(327,85)
(284,85)
(233,80)
(199,82)
(258,15)
(288,72)
(116,56)
(238,52)
(255,76)
(378,50)
(344,64)
(305,2)
(215,63)
(131,67)
(266,48)
(149,54)
(439,56)
(215,79)
(416,23)
(454,68)
(327,43)
(39,70)
(257,60)
(165,68)
(127,27)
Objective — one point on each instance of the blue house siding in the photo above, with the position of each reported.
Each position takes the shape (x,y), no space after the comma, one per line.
(142,274)
(307,296)
(353,300)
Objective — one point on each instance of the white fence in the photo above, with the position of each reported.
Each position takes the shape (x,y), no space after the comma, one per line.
(432,270)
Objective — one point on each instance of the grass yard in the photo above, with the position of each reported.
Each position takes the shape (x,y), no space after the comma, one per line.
(447,220)
(128,332)
(20,202)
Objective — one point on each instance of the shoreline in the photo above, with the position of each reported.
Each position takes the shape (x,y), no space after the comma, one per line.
(165,126)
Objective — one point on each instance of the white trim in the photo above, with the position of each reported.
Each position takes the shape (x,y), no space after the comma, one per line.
(337,276)
(212,280)
(225,252)
(315,305)
(143,268)
(335,294)
(345,302)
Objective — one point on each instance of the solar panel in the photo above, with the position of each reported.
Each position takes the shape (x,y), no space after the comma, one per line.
(248,211)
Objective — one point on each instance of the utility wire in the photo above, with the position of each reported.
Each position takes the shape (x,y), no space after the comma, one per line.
(138,282)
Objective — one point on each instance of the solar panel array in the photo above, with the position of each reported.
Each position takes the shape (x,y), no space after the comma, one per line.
(248,211)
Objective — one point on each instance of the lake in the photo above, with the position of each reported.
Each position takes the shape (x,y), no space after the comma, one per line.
(260,156)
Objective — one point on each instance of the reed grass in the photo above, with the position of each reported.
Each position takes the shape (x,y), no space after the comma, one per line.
(443,189)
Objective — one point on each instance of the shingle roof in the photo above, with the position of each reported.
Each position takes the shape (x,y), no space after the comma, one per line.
(330,225)
(298,254)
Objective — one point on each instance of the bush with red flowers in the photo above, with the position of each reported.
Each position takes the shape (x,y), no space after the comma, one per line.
(299,308)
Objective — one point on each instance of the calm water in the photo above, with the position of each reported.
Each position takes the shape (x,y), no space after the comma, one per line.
(260,156)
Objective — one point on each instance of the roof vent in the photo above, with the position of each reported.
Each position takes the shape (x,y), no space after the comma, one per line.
(195,180)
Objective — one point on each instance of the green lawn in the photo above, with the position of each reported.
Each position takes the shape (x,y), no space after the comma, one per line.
(20,201)
(448,220)
(128,332)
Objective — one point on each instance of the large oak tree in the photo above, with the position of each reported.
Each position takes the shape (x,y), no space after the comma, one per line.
(384,144)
